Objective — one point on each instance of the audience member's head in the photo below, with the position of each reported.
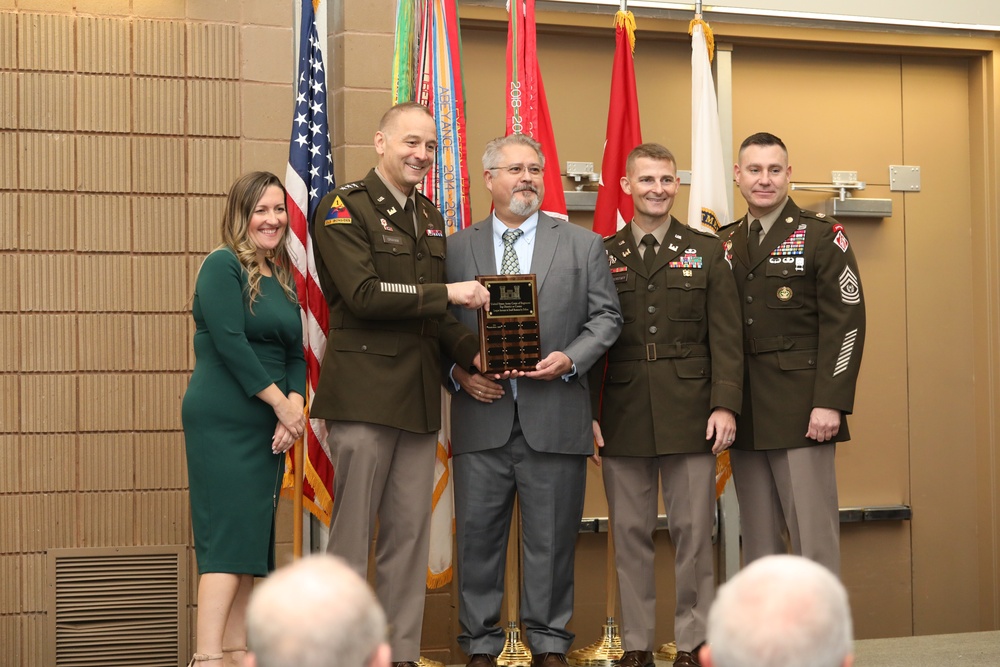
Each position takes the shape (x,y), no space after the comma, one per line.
(316,612)
(780,611)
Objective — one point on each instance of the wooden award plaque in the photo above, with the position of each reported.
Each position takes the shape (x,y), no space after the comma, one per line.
(508,331)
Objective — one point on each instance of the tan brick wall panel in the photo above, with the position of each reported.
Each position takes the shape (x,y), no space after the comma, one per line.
(160,462)
(213,108)
(33,568)
(48,404)
(9,276)
(104,283)
(47,101)
(48,521)
(8,100)
(107,519)
(114,7)
(47,161)
(48,460)
(161,342)
(106,402)
(103,223)
(103,164)
(8,230)
(204,223)
(107,463)
(158,401)
(34,639)
(45,42)
(159,48)
(162,517)
(158,224)
(48,282)
(10,334)
(10,407)
(157,286)
(159,106)
(49,343)
(106,341)
(10,592)
(103,103)
(104,45)
(8,40)
(10,472)
(213,165)
(10,518)
(212,51)
(8,160)
(266,54)
(47,221)
(158,165)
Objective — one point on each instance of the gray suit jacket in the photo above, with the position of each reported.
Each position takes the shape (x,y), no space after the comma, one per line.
(579,315)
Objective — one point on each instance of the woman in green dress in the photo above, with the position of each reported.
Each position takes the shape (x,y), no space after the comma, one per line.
(243,408)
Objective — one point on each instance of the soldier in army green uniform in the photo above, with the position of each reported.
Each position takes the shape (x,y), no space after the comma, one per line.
(803,333)
(380,254)
(665,403)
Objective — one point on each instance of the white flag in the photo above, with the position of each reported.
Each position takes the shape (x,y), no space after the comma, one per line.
(708,208)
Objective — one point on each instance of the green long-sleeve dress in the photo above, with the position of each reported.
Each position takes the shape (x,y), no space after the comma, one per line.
(233,475)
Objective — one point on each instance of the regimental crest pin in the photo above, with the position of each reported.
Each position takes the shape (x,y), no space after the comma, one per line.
(385,225)
(784,293)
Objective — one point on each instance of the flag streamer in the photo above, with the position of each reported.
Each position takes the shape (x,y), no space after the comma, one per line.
(427,69)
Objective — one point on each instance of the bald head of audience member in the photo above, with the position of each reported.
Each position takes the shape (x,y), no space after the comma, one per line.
(780,611)
(316,612)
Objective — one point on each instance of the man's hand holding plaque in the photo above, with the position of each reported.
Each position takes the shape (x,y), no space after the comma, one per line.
(509,336)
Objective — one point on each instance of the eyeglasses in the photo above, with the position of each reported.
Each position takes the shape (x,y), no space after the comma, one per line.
(518,169)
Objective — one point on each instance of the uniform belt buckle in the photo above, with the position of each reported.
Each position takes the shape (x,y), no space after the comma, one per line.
(650,351)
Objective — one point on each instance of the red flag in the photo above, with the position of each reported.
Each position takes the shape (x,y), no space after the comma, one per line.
(614,207)
(527,110)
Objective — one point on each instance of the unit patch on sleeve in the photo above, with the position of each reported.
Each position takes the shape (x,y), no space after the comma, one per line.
(840,240)
(338,213)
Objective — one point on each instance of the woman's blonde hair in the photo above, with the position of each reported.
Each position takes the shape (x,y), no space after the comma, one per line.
(244,195)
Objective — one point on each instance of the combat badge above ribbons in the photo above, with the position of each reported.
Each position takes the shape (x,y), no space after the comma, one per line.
(689,260)
(338,213)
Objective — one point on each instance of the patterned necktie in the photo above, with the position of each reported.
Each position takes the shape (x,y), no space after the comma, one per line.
(649,255)
(509,264)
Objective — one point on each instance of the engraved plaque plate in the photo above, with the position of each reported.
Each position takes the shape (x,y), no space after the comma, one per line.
(508,331)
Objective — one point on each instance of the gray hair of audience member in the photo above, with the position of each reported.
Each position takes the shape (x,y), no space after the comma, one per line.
(315,612)
(781,611)
(491,156)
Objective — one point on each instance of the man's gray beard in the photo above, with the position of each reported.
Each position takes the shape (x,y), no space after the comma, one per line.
(523,207)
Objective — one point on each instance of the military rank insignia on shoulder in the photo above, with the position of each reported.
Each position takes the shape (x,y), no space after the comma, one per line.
(354,185)
(338,213)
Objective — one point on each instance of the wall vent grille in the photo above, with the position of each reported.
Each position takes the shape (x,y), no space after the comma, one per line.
(115,607)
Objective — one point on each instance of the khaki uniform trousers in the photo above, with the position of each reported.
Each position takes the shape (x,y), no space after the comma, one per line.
(385,473)
(688,483)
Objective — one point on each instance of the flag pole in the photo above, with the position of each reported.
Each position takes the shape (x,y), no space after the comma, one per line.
(697,9)
(299,467)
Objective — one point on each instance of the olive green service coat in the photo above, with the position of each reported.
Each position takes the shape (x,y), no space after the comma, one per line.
(389,320)
(803,326)
(679,355)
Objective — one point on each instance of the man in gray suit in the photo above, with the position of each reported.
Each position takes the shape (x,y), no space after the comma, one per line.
(529,435)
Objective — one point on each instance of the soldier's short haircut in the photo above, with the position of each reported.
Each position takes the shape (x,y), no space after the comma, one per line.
(763,139)
(389,116)
(491,156)
(651,151)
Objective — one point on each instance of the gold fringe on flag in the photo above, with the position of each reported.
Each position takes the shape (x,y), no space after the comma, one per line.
(709,37)
(628,20)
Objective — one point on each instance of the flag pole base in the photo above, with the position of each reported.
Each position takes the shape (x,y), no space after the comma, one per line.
(604,653)
(666,652)
(514,653)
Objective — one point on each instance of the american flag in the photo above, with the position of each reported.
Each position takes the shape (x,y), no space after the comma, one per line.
(308,178)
